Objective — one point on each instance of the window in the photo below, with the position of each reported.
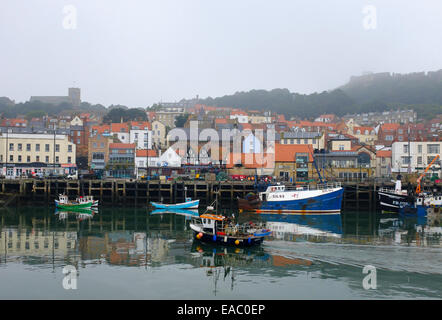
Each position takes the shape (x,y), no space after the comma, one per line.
(28,147)
(69,159)
(314,141)
(47,159)
(341,147)
(298,141)
(419,148)
(37,158)
(78,141)
(47,147)
(11,158)
(405,160)
(11,147)
(70,148)
(78,133)
(57,159)
(28,158)
(430,158)
(19,147)
(102,145)
(19,158)
(57,148)
(433,148)
(292,141)
(389,138)
(419,160)
(305,141)
(95,145)
(37,147)
(405,148)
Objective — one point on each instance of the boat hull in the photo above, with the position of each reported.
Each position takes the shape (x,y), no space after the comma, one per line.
(320,202)
(185,205)
(391,203)
(73,206)
(228,240)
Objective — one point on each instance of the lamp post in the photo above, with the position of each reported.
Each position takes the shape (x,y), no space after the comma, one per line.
(53,159)
(7,148)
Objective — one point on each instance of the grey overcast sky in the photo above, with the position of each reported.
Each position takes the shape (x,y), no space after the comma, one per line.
(138,52)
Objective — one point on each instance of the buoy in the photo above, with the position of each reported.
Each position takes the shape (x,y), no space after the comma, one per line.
(199,235)
(214,237)
(237,242)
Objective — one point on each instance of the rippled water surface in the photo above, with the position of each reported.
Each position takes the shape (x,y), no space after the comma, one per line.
(122,253)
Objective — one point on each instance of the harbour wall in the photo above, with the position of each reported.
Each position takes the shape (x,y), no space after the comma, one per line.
(136,193)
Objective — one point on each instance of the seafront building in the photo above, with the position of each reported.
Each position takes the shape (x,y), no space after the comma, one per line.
(22,154)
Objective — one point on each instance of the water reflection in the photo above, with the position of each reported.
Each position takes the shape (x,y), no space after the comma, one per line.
(308,227)
(303,248)
(79,214)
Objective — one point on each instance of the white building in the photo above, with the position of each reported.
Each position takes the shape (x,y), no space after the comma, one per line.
(141,136)
(241,116)
(417,155)
(141,157)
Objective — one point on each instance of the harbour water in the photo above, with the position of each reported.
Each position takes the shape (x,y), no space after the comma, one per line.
(129,254)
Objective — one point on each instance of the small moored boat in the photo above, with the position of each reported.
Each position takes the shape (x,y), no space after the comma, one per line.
(189,204)
(212,228)
(85,202)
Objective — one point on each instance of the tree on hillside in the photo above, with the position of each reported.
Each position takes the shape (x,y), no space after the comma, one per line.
(181,120)
(119,114)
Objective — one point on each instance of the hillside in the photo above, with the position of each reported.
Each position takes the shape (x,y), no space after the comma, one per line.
(372,92)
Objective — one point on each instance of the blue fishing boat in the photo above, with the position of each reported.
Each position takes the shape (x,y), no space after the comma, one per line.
(322,199)
(189,204)
(218,229)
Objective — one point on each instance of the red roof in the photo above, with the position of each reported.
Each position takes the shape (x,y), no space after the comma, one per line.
(144,152)
(390,126)
(122,146)
(383,154)
(140,124)
(287,152)
(362,129)
(238,112)
(118,127)
(221,120)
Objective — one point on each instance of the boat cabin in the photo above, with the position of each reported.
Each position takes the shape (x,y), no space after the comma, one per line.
(85,199)
(209,222)
(63,199)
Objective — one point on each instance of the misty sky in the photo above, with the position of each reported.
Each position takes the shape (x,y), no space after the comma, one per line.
(138,52)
